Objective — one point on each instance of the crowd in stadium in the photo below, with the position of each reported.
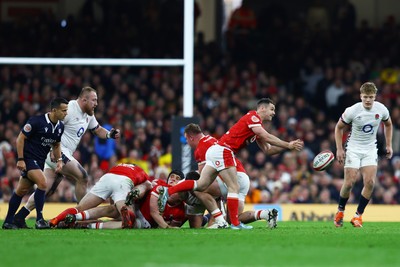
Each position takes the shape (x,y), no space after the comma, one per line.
(311,73)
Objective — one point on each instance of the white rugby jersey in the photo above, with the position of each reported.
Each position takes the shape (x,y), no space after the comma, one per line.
(75,125)
(364,125)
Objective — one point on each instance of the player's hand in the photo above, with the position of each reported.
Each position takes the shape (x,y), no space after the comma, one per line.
(114,133)
(296,145)
(340,156)
(21,165)
(389,152)
(171,227)
(60,164)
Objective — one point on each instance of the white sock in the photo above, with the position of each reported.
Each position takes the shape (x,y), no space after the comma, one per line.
(82,216)
(98,225)
(261,214)
(218,216)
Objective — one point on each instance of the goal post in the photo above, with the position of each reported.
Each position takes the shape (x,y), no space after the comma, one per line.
(186,62)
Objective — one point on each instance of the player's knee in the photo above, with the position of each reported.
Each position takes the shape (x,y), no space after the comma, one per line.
(21,191)
(42,185)
(370,183)
(201,187)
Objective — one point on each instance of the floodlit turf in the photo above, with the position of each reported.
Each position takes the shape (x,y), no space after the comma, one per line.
(291,244)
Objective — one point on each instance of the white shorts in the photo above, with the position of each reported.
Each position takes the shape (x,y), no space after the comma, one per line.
(244,185)
(141,222)
(112,185)
(52,165)
(357,160)
(220,157)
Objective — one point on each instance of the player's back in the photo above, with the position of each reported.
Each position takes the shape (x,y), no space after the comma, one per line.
(204,143)
(132,171)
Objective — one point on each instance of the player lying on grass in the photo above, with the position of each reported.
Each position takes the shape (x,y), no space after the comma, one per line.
(200,142)
(115,184)
(146,213)
(218,191)
(221,160)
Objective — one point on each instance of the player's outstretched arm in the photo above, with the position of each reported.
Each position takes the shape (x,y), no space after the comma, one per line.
(155,213)
(105,134)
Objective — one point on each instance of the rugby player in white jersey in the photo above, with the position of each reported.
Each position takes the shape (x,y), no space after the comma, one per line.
(80,118)
(361,153)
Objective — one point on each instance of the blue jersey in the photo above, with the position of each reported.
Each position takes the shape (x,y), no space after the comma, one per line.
(41,134)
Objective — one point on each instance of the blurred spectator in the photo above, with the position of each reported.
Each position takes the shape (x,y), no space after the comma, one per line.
(241,27)
(274,55)
(105,149)
(318,16)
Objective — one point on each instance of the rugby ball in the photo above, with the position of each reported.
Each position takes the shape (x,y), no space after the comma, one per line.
(323,160)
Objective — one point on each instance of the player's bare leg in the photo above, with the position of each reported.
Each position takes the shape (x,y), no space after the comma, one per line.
(21,215)
(89,201)
(78,176)
(229,175)
(369,174)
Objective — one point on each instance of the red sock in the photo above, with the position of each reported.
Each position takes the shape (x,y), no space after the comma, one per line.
(233,208)
(60,217)
(187,185)
(258,213)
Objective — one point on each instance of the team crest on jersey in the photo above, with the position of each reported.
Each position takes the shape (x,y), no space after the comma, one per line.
(217,163)
(87,120)
(27,128)
(254,118)
(376,116)
(45,129)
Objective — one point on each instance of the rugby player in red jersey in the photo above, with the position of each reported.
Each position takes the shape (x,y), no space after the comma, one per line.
(221,160)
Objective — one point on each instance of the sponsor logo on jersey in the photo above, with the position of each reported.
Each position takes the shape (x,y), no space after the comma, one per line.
(27,128)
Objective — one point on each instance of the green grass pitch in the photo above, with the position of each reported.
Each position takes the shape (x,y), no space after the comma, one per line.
(291,244)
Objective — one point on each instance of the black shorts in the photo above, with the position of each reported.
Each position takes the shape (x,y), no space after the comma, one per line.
(32,164)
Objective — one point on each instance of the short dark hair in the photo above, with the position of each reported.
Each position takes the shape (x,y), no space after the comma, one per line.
(56,102)
(192,128)
(193,175)
(264,101)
